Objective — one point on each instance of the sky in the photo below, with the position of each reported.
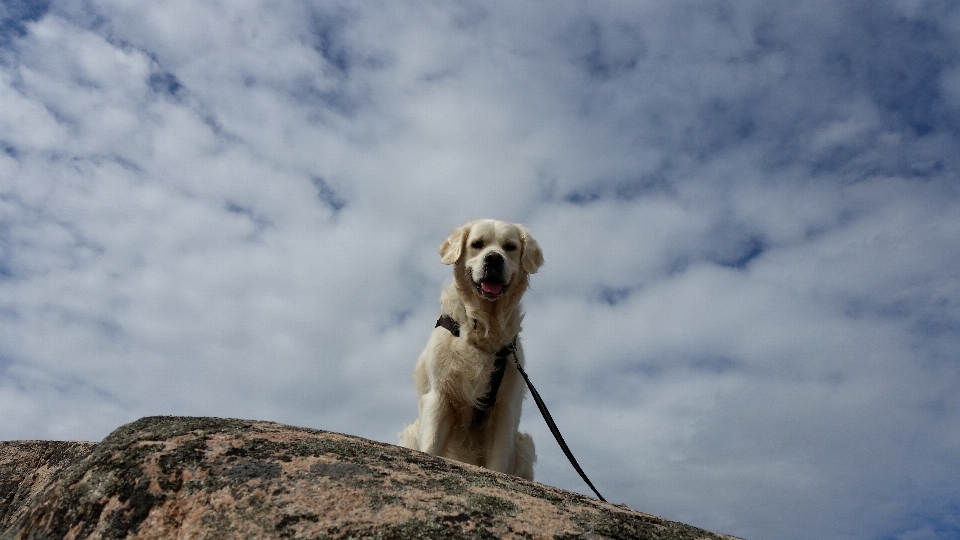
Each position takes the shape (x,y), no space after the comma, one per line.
(749,315)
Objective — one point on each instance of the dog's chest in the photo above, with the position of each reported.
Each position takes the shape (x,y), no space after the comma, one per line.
(464,371)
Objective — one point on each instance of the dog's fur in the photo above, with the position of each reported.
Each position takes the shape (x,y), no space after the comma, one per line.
(492,260)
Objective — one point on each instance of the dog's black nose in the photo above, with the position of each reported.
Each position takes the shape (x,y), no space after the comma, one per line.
(493,265)
(493,260)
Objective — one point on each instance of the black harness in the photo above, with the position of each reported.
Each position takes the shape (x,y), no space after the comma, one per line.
(487,401)
(496,377)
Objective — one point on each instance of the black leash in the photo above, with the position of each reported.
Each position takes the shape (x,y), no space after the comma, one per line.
(553,429)
(488,401)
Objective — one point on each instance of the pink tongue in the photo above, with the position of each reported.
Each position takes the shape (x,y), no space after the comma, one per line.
(491,288)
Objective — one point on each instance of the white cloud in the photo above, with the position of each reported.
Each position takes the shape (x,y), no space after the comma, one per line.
(747,317)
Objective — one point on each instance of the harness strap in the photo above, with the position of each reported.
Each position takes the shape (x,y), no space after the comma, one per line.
(447,322)
(496,377)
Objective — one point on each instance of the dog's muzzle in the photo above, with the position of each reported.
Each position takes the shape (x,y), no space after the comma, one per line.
(492,284)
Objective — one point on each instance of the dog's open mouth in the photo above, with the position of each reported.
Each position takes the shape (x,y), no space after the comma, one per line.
(491,289)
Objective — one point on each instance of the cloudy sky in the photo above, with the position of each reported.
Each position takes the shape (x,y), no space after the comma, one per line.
(749,315)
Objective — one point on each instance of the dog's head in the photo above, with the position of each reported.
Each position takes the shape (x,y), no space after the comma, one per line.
(492,256)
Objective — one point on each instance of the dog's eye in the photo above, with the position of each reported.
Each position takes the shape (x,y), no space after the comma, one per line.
(477,244)
(509,246)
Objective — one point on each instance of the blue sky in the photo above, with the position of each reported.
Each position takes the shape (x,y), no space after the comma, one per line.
(749,315)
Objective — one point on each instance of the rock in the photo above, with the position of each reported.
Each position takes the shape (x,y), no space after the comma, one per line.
(206,478)
(27,468)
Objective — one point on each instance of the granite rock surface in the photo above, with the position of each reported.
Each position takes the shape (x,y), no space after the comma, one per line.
(212,478)
(28,468)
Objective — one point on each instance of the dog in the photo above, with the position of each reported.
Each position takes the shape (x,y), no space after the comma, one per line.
(467,410)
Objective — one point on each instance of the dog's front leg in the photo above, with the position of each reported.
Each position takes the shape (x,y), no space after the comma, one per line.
(435,423)
(501,436)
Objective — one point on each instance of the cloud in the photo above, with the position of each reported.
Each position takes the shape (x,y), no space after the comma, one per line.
(749,212)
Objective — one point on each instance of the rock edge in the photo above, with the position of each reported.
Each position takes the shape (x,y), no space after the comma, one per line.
(206,478)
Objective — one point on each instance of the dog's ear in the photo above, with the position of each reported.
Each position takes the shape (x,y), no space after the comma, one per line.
(452,247)
(531,258)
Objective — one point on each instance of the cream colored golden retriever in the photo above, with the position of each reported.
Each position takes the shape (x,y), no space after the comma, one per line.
(469,390)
